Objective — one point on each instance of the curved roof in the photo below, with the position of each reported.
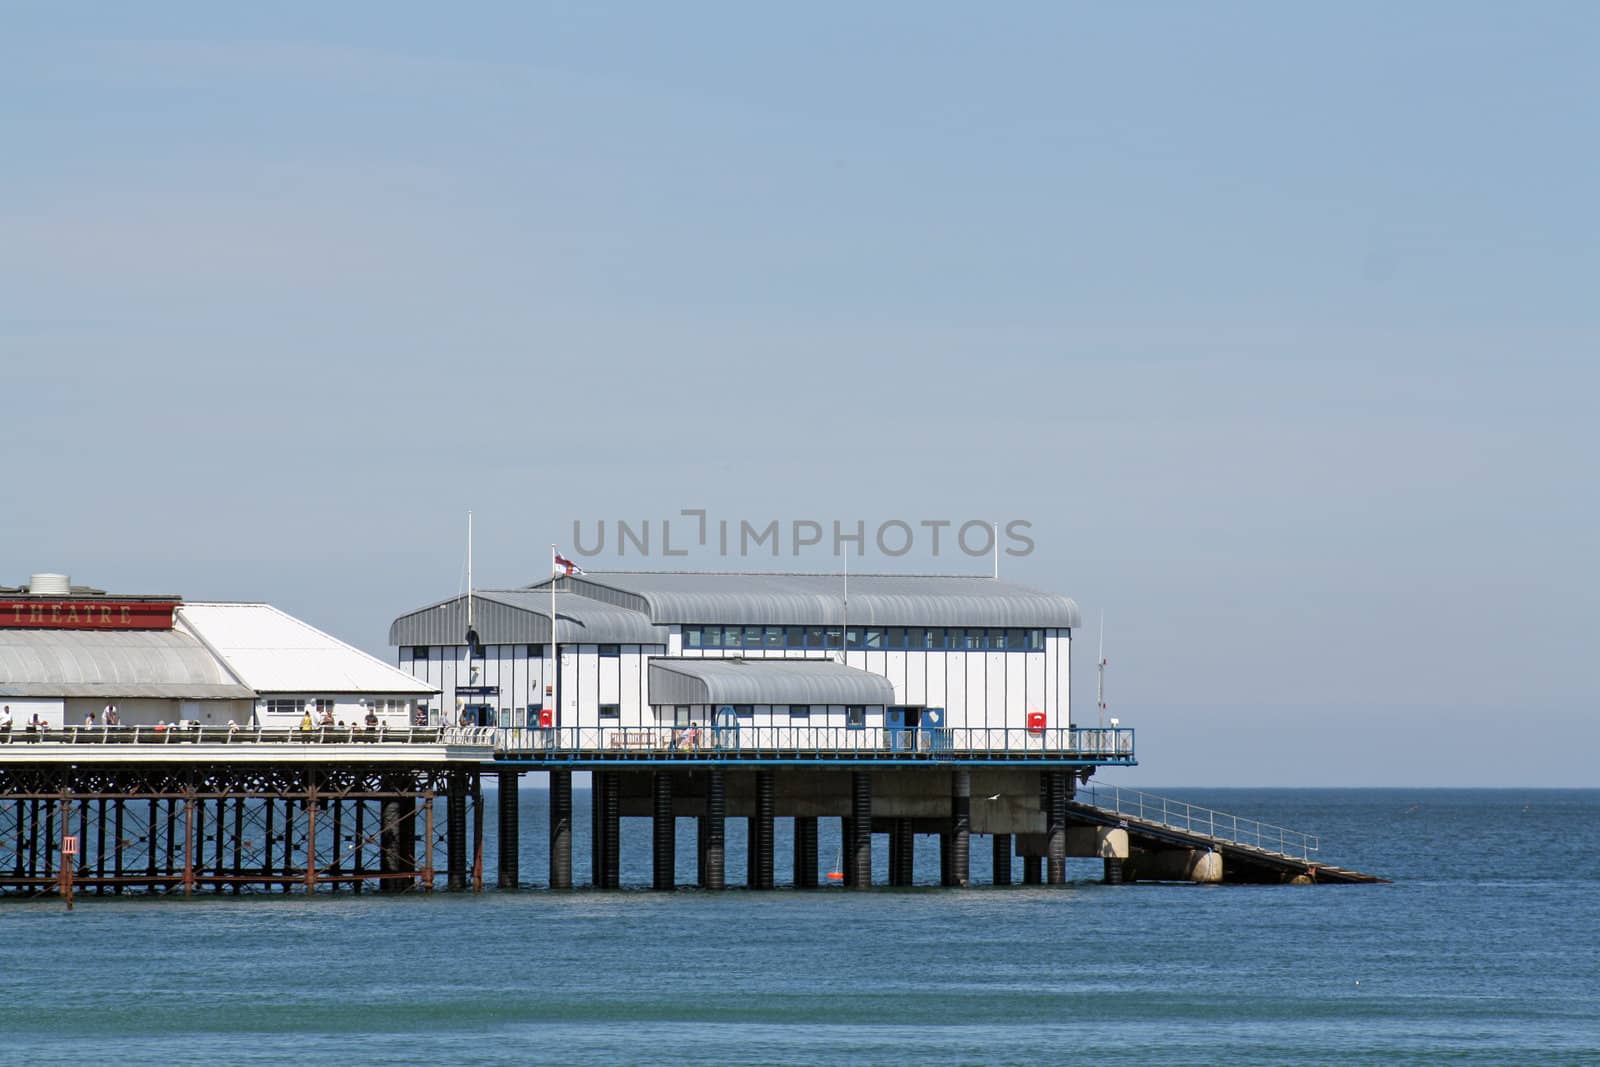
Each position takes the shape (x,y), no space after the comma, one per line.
(157,664)
(522,616)
(817,599)
(766,681)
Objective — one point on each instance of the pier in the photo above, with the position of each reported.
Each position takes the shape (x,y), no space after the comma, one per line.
(108,811)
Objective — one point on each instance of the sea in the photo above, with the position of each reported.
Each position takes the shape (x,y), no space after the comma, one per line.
(1483,949)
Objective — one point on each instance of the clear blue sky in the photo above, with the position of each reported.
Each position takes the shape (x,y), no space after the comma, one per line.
(1278,322)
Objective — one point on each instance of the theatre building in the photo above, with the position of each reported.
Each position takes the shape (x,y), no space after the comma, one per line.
(66,652)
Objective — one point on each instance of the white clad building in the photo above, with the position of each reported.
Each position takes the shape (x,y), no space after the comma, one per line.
(653,649)
(67,652)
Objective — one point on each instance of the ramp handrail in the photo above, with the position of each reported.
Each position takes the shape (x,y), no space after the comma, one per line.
(1200,821)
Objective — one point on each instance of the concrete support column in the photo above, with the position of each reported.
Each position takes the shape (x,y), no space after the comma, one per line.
(859,851)
(456,832)
(902,853)
(805,851)
(960,828)
(764,836)
(597,829)
(613,829)
(716,827)
(1002,859)
(560,829)
(1056,827)
(507,826)
(665,836)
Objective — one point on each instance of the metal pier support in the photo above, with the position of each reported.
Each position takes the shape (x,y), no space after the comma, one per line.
(761,841)
(508,826)
(805,851)
(1056,827)
(960,828)
(859,851)
(455,833)
(560,829)
(664,828)
(1113,871)
(1002,859)
(716,821)
(390,842)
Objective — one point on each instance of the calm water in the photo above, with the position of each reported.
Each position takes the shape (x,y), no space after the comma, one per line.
(1485,950)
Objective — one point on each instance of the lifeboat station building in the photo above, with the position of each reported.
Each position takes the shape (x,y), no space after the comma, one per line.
(641,652)
(68,652)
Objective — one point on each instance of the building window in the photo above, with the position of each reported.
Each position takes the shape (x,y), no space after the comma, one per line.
(610,711)
(1035,640)
(800,713)
(536,652)
(774,637)
(852,637)
(855,716)
(745,711)
(694,636)
(752,637)
(874,637)
(419,652)
(610,651)
(286,707)
(795,637)
(680,715)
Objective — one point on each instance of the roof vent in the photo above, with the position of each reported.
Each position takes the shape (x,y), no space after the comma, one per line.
(50,585)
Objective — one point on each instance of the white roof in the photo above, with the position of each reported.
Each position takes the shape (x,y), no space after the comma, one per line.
(273,652)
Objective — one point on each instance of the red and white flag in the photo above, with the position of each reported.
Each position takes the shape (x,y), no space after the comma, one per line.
(560,564)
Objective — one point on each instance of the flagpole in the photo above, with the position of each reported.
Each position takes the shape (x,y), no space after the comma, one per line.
(555,653)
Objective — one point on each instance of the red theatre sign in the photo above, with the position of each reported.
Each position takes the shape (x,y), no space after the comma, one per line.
(40,613)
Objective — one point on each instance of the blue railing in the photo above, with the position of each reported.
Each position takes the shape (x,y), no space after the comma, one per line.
(722,743)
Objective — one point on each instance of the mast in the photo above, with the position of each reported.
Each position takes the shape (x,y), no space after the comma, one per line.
(1100,672)
(555,654)
(844,627)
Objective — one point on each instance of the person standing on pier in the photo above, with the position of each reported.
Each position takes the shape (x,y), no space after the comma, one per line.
(5,724)
(112,717)
(88,719)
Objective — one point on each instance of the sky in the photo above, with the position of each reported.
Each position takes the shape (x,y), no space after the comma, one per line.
(1276,323)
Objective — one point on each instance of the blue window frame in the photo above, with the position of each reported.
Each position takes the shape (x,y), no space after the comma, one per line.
(694,636)
(800,713)
(610,651)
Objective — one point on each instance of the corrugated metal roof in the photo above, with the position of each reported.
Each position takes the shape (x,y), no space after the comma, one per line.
(274,652)
(767,681)
(816,599)
(522,616)
(160,664)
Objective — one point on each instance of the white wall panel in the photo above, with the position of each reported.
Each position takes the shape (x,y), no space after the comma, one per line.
(1036,697)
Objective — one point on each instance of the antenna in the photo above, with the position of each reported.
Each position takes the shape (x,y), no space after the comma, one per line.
(1100,671)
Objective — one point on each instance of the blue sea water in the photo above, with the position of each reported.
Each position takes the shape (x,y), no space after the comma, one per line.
(1484,950)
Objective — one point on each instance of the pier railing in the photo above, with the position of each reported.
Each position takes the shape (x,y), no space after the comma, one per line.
(1079,744)
(1199,821)
(242,735)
